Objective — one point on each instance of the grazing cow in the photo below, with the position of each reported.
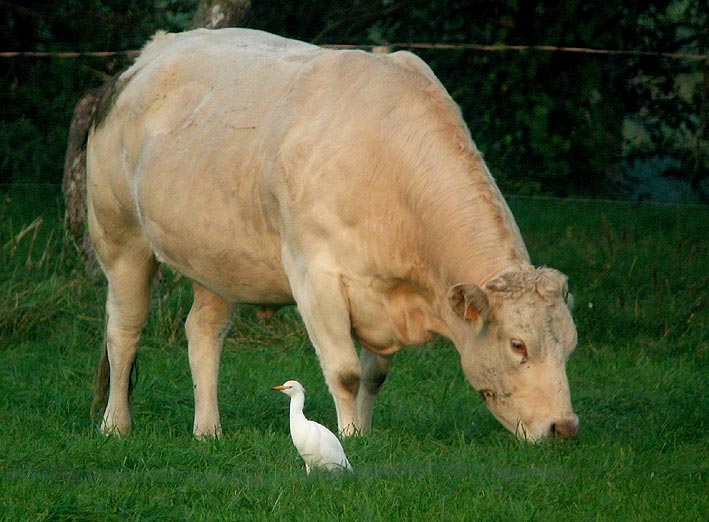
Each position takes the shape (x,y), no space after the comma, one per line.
(269,170)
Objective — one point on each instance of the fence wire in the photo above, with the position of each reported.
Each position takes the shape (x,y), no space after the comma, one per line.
(408,45)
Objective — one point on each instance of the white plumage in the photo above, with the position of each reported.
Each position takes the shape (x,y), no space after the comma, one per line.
(317,445)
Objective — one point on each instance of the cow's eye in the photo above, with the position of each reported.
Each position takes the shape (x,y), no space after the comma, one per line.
(519,348)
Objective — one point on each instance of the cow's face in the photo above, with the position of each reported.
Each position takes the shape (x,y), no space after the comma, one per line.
(516,337)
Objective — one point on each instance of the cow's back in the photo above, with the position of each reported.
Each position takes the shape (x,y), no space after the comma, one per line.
(178,150)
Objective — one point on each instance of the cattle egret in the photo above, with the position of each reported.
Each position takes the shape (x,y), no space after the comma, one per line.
(318,446)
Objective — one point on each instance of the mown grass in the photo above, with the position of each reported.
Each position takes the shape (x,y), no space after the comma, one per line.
(638,377)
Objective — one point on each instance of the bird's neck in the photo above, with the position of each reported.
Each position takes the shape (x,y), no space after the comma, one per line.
(297,403)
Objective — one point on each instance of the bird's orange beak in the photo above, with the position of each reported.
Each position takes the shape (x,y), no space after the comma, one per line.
(281,388)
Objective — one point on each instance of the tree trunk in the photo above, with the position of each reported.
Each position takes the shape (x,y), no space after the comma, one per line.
(212,14)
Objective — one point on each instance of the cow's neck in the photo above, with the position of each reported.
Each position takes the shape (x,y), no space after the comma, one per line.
(465,219)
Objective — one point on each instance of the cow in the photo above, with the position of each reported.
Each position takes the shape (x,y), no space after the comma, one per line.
(272,171)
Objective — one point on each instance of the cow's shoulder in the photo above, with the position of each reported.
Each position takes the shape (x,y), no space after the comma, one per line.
(400,64)
(412,63)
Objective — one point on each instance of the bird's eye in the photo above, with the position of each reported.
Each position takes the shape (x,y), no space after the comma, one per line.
(520,348)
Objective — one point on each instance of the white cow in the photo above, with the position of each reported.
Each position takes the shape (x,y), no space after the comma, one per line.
(268,170)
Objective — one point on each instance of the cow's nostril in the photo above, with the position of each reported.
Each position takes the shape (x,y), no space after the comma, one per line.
(565,429)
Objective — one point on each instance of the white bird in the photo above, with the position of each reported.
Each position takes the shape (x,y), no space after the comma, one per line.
(317,445)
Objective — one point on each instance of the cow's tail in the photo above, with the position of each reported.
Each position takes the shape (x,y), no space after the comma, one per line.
(102,381)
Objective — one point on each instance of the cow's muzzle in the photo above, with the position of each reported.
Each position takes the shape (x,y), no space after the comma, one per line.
(561,428)
(566,428)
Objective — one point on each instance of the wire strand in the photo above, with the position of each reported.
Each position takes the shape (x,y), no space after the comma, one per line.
(409,45)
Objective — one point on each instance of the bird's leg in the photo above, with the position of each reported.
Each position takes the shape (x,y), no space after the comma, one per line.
(206,325)
(374,371)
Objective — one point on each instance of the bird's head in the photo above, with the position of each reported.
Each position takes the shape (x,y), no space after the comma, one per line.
(290,388)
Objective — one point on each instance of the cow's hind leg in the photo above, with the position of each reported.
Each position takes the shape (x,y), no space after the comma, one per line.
(206,326)
(374,371)
(129,273)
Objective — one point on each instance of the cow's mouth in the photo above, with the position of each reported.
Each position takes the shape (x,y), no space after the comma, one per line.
(487,394)
(494,401)
(491,395)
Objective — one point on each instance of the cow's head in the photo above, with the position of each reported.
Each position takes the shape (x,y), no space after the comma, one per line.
(515,337)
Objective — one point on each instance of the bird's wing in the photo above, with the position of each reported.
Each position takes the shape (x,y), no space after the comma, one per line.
(331,449)
(318,446)
(306,439)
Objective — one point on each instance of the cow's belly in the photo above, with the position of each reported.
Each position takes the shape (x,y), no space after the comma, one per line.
(239,275)
(242,269)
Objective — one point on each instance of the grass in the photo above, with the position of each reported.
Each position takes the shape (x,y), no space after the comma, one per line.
(638,377)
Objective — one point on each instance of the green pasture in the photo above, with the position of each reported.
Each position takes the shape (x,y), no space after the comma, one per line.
(639,380)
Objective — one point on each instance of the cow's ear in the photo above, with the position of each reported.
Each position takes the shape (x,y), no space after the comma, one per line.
(569,299)
(567,296)
(469,301)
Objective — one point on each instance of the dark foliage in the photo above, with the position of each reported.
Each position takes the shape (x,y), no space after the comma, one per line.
(555,123)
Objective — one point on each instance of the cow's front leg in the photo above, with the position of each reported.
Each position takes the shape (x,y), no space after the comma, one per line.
(207,324)
(374,372)
(321,302)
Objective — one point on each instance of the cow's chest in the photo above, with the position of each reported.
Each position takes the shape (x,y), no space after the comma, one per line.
(387,314)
